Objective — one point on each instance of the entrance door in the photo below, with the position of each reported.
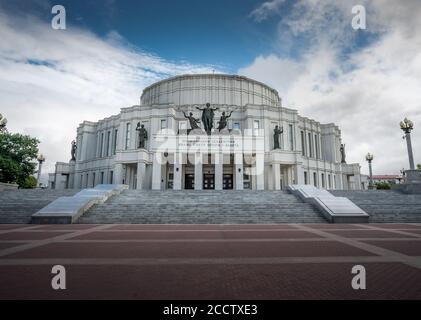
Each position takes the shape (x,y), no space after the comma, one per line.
(227,181)
(189,181)
(208,181)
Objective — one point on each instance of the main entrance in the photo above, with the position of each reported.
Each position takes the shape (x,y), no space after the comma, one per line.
(189,181)
(227,182)
(208,181)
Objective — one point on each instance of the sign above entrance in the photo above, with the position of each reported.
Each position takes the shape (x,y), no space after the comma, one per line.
(168,141)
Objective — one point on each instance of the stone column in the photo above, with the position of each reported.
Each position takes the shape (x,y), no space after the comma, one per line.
(276,171)
(178,171)
(299,174)
(157,172)
(219,170)
(198,172)
(260,168)
(239,171)
(118,173)
(140,178)
(410,153)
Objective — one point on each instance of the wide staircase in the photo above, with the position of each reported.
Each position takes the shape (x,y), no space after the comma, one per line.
(386,205)
(17,206)
(202,207)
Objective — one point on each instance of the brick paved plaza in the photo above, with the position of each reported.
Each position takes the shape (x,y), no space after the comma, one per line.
(285,261)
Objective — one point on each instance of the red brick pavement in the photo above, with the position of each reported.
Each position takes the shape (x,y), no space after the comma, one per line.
(211,261)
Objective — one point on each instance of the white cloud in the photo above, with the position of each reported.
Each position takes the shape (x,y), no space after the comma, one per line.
(366,92)
(266,9)
(52,80)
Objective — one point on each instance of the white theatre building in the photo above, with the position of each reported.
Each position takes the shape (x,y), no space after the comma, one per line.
(242,155)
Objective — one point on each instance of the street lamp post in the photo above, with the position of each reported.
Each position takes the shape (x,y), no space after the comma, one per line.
(40,159)
(369,157)
(407,126)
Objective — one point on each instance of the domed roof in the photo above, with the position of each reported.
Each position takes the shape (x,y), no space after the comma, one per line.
(217,89)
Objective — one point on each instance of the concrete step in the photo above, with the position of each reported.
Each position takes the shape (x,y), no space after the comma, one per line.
(385,205)
(208,207)
(17,206)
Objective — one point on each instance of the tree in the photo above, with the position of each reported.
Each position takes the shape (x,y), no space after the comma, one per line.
(419,166)
(17,152)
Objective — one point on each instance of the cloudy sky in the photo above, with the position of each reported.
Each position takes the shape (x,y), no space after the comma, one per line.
(366,81)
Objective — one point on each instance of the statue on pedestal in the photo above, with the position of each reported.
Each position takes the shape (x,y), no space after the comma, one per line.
(342,149)
(143,135)
(207,117)
(276,133)
(73,151)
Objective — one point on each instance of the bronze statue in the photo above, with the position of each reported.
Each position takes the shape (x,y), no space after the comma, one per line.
(276,133)
(192,120)
(342,149)
(143,135)
(207,117)
(73,150)
(223,121)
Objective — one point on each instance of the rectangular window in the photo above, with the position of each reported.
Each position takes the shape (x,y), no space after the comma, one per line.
(163,124)
(329,181)
(310,147)
(111,177)
(102,177)
(316,146)
(101,146)
(303,144)
(236,126)
(256,126)
(323,180)
(305,177)
(315,179)
(93,179)
(108,151)
(81,181)
(87,181)
(115,141)
(291,137)
(128,135)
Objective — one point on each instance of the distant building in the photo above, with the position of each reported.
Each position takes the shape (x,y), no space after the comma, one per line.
(392,179)
(250,152)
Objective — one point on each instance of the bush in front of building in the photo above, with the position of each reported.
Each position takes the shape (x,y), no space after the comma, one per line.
(383,185)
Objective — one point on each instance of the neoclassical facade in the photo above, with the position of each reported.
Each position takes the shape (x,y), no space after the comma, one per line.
(242,151)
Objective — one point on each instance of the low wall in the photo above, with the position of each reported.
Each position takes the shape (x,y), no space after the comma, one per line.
(8,186)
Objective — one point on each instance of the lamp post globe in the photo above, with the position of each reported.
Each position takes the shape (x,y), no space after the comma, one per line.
(40,159)
(407,126)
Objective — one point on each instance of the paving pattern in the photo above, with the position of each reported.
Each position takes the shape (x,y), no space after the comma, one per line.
(271,261)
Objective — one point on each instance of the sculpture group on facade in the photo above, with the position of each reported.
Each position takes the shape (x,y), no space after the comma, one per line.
(207,118)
